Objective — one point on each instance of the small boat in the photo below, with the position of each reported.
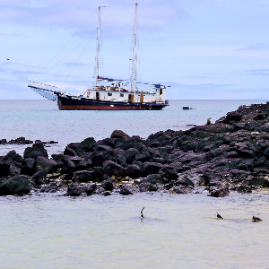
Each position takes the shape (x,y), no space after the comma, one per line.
(188,108)
(115,96)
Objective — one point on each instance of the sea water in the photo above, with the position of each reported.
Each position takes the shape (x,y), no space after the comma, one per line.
(41,120)
(178,231)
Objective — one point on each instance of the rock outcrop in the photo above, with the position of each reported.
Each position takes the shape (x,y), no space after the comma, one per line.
(230,155)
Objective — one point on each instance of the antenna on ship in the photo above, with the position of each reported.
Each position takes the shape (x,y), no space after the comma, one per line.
(133,79)
(98,46)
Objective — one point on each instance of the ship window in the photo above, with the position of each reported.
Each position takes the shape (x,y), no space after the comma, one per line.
(121,95)
(109,93)
(161,91)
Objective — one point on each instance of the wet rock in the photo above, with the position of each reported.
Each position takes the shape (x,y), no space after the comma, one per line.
(111,168)
(185,181)
(68,166)
(70,152)
(133,171)
(29,165)
(180,190)
(84,176)
(126,190)
(146,186)
(219,192)
(153,178)
(90,188)
(35,151)
(81,149)
(46,165)
(168,173)
(108,185)
(99,157)
(3,141)
(13,158)
(104,148)
(20,141)
(51,188)
(151,168)
(17,185)
(130,155)
(4,169)
(74,189)
(38,178)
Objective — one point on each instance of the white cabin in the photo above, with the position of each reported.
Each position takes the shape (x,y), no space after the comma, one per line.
(118,93)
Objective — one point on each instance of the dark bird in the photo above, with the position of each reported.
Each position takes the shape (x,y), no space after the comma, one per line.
(219,216)
(7,59)
(256,219)
(142,216)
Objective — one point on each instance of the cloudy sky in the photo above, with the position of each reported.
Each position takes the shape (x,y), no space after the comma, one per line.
(205,49)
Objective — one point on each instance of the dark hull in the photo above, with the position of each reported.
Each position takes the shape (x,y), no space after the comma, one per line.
(70,103)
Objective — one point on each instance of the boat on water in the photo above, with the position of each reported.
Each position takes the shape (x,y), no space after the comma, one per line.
(115,96)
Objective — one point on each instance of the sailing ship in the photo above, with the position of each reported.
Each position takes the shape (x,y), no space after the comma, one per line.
(116,96)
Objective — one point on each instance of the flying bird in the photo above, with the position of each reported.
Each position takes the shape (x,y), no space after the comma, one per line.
(219,216)
(7,59)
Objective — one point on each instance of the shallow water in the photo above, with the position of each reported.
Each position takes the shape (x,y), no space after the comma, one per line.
(178,231)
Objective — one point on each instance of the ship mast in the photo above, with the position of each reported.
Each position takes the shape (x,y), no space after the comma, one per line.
(133,79)
(98,47)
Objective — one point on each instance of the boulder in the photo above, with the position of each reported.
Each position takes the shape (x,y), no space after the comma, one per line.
(68,166)
(119,134)
(133,170)
(219,192)
(185,181)
(126,190)
(84,176)
(168,173)
(13,158)
(130,155)
(74,189)
(99,157)
(108,185)
(20,141)
(38,178)
(90,188)
(46,165)
(180,190)
(51,188)
(35,151)
(3,141)
(153,178)
(29,165)
(151,168)
(146,186)
(4,169)
(17,185)
(111,168)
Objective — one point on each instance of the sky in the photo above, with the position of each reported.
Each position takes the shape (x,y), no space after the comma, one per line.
(204,49)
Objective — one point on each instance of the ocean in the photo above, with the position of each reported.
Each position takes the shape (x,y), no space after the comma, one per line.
(41,120)
(178,231)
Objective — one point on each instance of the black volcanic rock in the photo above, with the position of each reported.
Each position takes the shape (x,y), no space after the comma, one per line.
(18,185)
(229,155)
(35,151)
(119,134)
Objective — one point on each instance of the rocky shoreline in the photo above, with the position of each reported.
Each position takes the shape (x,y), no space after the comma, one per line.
(230,155)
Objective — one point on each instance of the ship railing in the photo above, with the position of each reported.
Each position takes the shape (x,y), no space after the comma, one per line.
(119,89)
